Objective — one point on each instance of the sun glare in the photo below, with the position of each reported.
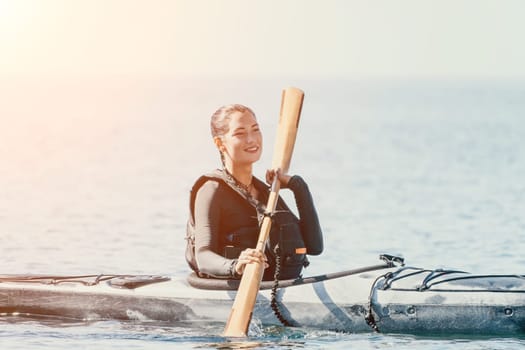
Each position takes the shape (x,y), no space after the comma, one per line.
(9,9)
(16,16)
(19,32)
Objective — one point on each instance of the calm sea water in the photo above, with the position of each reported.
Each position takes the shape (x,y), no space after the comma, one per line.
(94,178)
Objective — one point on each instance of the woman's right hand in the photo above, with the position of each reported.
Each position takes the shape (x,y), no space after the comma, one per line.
(283,178)
(248,256)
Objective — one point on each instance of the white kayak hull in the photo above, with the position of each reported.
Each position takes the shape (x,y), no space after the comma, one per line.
(325,305)
(490,305)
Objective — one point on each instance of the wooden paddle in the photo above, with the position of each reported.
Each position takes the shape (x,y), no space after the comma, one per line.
(242,309)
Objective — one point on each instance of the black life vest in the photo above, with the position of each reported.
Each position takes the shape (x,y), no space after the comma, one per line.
(285,246)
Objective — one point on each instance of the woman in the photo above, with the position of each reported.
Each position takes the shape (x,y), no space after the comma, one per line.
(228,205)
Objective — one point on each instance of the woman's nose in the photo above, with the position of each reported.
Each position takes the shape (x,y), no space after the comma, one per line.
(250,137)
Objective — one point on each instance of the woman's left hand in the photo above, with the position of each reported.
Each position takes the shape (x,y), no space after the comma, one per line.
(283,178)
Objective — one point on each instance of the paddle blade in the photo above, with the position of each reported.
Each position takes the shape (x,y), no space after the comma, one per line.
(291,105)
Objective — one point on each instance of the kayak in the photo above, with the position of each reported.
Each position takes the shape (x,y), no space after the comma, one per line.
(387,297)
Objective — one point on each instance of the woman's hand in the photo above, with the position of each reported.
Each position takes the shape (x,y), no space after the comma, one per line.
(249,256)
(283,178)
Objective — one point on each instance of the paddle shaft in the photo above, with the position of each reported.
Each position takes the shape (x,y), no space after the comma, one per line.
(242,309)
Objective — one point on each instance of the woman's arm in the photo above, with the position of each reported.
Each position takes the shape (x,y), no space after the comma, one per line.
(207,230)
(309,221)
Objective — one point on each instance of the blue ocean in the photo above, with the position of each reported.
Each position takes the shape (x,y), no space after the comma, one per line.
(95,178)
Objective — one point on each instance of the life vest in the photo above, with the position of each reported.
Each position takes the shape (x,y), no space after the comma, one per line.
(285,250)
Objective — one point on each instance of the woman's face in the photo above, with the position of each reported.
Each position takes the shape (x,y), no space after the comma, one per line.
(243,141)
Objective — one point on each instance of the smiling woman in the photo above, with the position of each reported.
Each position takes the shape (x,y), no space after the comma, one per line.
(227,208)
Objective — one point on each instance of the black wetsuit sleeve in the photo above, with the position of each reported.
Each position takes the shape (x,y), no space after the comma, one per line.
(309,221)
(207,223)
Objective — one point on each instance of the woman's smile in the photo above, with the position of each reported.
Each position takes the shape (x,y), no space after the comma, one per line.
(252,149)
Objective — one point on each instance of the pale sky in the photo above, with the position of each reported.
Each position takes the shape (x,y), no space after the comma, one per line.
(242,38)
